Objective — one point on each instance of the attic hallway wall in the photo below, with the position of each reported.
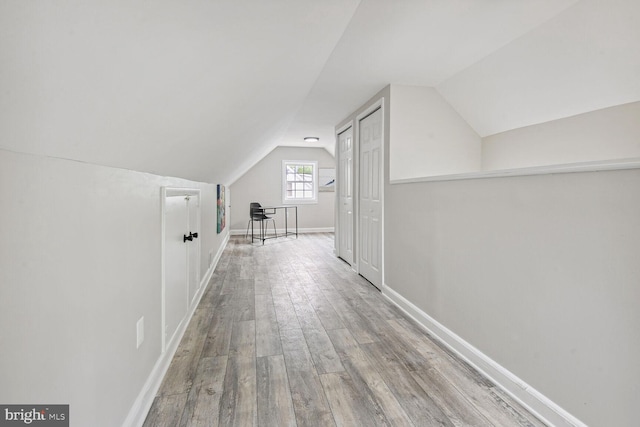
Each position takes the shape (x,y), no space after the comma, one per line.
(287,334)
(80,264)
(608,134)
(263,184)
(539,273)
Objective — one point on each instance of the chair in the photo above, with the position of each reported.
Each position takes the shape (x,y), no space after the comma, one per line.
(256,213)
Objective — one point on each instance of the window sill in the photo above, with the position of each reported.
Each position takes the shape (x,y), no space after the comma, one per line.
(299,202)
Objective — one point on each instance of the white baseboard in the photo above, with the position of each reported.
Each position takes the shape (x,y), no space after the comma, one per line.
(139,410)
(533,400)
(281,231)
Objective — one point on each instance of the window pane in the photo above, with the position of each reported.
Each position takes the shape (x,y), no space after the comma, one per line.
(299,181)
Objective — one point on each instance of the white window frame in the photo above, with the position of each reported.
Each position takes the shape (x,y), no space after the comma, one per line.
(293,201)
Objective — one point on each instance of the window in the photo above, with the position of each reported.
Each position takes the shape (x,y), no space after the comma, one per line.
(299,181)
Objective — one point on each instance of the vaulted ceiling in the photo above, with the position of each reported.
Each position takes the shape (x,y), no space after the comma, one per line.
(202,89)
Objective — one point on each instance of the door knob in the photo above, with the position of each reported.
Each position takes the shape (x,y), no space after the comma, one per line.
(185,237)
(194,235)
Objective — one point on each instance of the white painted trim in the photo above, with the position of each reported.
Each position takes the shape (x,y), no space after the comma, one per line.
(370,109)
(238,232)
(609,165)
(344,128)
(530,398)
(140,409)
(199,246)
(180,191)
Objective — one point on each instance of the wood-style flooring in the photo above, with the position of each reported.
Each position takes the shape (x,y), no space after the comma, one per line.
(288,335)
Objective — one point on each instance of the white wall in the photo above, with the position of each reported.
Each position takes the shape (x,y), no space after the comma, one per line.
(80,259)
(263,184)
(427,136)
(540,273)
(607,134)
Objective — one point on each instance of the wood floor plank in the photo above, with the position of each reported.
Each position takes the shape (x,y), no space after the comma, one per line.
(166,411)
(285,312)
(267,332)
(368,379)
(219,335)
(275,407)
(243,339)
(356,324)
(244,300)
(320,346)
(348,405)
(238,406)
(309,399)
(457,408)
(418,405)
(322,352)
(203,404)
(261,284)
(324,310)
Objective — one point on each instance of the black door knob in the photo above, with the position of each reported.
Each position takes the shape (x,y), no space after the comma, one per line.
(185,237)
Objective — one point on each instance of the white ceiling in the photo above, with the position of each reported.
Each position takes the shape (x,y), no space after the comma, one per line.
(202,89)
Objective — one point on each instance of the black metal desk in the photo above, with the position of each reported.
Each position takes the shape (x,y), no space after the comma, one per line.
(272,210)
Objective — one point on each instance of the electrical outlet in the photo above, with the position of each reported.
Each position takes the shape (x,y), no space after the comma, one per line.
(210,257)
(140,331)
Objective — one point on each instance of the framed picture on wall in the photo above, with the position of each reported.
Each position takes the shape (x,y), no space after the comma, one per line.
(221,205)
(327,179)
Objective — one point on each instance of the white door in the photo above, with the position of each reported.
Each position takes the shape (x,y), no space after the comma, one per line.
(370,198)
(181,258)
(176,302)
(345,195)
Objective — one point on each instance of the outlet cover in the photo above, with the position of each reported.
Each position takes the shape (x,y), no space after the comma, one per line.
(140,331)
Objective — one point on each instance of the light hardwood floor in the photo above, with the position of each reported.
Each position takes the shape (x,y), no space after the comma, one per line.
(288,335)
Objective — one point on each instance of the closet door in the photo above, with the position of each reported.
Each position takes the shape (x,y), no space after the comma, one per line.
(181,258)
(176,302)
(370,198)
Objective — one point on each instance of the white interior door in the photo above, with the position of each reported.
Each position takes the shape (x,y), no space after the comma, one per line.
(370,198)
(176,301)
(345,196)
(193,254)
(181,258)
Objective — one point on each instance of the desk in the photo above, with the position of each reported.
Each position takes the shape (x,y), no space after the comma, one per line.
(272,210)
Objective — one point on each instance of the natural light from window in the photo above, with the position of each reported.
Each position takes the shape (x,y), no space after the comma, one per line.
(299,181)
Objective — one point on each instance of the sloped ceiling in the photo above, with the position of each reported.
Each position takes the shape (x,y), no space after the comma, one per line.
(202,89)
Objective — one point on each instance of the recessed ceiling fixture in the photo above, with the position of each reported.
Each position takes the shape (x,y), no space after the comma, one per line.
(311,139)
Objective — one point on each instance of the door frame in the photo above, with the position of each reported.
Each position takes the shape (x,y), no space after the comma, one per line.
(171,192)
(340,131)
(379,104)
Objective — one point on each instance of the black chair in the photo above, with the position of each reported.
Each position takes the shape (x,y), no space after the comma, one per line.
(256,213)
